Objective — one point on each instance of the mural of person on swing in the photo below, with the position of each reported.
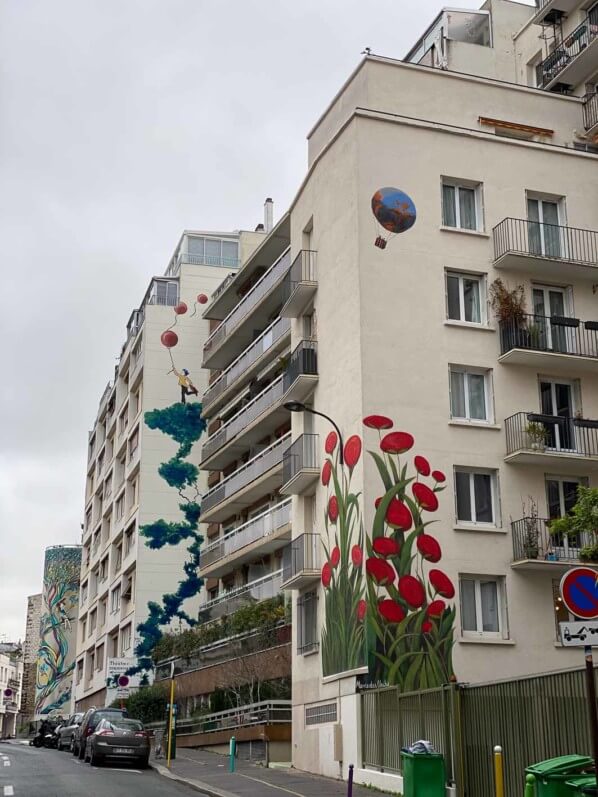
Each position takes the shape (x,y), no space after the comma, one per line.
(187,386)
(395,618)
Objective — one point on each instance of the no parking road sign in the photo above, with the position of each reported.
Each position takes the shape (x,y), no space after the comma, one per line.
(579,591)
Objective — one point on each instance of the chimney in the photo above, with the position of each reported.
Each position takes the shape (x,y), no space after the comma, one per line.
(259,228)
(269,214)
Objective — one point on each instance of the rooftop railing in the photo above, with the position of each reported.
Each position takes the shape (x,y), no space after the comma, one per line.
(556,334)
(251,299)
(251,470)
(257,528)
(554,241)
(251,354)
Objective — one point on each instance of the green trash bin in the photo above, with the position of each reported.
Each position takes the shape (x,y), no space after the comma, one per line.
(552,775)
(423,774)
(582,784)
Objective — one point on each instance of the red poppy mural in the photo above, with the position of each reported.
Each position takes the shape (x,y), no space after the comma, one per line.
(395,617)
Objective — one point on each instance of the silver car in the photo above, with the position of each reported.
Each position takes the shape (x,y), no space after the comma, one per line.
(119,739)
(66,731)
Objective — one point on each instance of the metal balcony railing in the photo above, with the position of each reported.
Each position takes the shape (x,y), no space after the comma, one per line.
(303,269)
(590,110)
(223,285)
(565,52)
(267,398)
(304,360)
(251,354)
(532,540)
(550,334)
(251,299)
(300,555)
(226,649)
(300,455)
(269,522)
(553,241)
(269,712)
(256,467)
(254,592)
(553,434)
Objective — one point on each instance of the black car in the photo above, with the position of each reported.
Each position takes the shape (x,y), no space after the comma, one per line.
(120,739)
(88,725)
(66,731)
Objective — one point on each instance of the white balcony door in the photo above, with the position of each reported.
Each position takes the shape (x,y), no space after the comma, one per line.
(557,398)
(561,495)
(544,232)
(550,301)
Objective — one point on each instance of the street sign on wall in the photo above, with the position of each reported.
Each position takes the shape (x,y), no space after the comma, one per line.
(579,591)
(579,633)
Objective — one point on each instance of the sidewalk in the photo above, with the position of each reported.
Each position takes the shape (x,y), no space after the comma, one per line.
(208,773)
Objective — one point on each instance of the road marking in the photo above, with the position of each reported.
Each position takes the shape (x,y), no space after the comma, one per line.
(8,791)
(272,786)
(6,762)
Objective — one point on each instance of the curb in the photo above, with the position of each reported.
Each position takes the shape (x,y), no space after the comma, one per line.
(198,785)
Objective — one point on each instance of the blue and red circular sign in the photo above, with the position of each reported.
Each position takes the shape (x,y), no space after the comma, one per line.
(579,591)
(123,680)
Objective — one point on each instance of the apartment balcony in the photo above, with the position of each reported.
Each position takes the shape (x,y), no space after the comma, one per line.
(259,476)
(254,592)
(267,532)
(551,11)
(273,340)
(553,441)
(535,548)
(557,343)
(590,113)
(301,375)
(251,313)
(256,420)
(300,467)
(300,284)
(546,250)
(573,61)
(301,562)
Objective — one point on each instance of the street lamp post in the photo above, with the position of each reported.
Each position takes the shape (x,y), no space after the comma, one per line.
(298,406)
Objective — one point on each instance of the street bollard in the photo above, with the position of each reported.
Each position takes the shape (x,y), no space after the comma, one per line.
(350,782)
(530,787)
(232,753)
(499,775)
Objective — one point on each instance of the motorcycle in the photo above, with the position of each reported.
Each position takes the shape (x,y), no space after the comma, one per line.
(46,737)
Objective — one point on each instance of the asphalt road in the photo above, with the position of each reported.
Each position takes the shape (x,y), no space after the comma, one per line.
(28,772)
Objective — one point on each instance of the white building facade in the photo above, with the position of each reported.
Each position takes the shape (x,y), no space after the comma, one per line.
(11,677)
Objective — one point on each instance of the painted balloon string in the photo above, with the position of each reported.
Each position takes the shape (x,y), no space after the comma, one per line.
(201,299)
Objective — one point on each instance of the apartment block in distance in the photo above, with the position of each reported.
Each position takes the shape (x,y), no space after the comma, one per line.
(488,126)
(120,574)
(30,649)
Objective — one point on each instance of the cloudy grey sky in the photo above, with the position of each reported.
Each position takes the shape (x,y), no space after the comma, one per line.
(122,122)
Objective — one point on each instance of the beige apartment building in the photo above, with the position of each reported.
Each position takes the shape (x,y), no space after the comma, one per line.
(124,490)
(488,126)
(11,685)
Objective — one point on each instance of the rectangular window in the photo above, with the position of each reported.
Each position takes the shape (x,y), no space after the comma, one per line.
(120,507)
(307,621)
(99,657)
(125,636)
(92,622)
(115,600)
(129,539)
(79,671)
(464,294)
(119,559)
(103,608)
(133,443)
(476,496)
(123,420)
(470,394)
(461,204)
(483,606)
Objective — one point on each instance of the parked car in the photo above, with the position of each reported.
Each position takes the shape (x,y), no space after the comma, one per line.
(118,738)
(88,725)
(67,730)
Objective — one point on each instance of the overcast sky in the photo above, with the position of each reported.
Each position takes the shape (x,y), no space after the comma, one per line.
(122,122)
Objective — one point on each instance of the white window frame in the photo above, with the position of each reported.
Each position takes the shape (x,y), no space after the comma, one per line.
(481,280)
(115,600)
(472,185)
(495,493)
(126,637)
(488,394)
(503,626)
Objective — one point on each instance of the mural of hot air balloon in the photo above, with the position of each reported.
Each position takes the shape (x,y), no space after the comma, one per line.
(395,211)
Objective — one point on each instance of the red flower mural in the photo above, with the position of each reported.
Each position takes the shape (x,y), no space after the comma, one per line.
(326,575)
(412,591)
(441,583)
(385,546)
(333,509)
(397,442)
(326,472)
(362,608)
(427,626)
(398,515)
(335,556)
(436,609)
(392,611)
(429,548)
(422,466)
(379,569)
(356,555)
(352,451)
(331,442)
(377,422)
(438,476)
(426,498)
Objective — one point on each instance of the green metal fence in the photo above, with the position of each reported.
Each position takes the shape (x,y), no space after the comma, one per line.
(531,718)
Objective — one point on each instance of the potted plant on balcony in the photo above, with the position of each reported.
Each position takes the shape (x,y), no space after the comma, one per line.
(537,435)
(581,523)
(508,305)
